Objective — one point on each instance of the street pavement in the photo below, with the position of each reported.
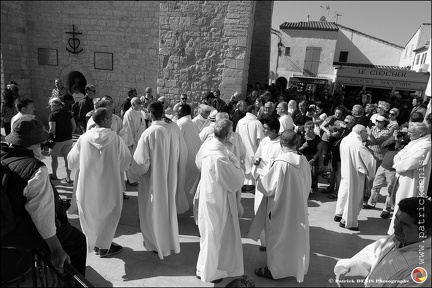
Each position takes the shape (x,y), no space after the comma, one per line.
(134,266)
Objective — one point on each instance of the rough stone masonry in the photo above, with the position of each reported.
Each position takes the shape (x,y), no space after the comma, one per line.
(172,46)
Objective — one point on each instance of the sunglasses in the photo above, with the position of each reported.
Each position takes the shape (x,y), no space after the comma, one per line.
(138,103)
(183,98)
(346,122)
(392,114)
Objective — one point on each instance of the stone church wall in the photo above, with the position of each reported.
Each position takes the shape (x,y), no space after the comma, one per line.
(172,46)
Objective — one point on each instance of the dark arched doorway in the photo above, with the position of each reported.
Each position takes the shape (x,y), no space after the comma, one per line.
(282,82)
(77,79)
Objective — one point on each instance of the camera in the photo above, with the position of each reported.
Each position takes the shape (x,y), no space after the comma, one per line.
(401,134)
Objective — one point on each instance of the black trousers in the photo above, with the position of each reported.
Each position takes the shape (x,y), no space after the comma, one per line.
(72,240)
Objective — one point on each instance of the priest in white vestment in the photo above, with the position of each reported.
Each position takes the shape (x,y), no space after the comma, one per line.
(286,121)
(134,124)
(357,166)
(268,149)
(221,253)
(251,132)
(156,198)
(201,120)
(413,167)
(236,146)
(283,213)
(193,143)
(100,154)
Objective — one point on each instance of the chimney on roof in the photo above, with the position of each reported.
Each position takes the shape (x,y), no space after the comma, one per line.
(308,18)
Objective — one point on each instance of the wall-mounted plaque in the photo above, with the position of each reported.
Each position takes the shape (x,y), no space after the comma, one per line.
(103,61)
(47,56)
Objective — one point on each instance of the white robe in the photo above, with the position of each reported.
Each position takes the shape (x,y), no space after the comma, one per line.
(156,201)
(221,253)
(200,122)
(177,173)
(357,164)
(413,168)
(193,143)
(116,126)
(99,154)
(286,122)
(284,213)
(206,132)
(134,124)
(251,132)
(268,150)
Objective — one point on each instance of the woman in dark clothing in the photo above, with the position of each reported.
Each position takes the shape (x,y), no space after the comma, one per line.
(310,146)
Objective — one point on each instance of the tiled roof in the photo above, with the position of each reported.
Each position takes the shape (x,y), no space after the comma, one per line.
(368,66)
(311,25)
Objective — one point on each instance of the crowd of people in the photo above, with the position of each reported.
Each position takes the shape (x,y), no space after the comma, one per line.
(259,142)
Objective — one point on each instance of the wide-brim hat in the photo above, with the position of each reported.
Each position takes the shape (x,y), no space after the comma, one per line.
(212,115)
(27,130)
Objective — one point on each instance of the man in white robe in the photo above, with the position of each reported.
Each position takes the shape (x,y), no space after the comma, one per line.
(193,143)
(156,198)
(251,132)
(413,166)
(221,253)
(357,166)
(201,120)
(100,154)
(286,121)
(268,150)
(236,146)
(134,124)
(116,126)
(284,213)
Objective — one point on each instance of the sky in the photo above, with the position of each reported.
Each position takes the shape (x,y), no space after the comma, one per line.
(392,21)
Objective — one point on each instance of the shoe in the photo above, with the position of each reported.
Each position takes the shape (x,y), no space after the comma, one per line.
(214,281)
(96,250)
(332,196)
(367,206)
(263,272)
(385,214)
(337,218)
(132,184)
(114,249)
(351,228)
(53,177)
(262,248)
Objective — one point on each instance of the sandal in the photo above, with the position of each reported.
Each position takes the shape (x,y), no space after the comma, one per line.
(52,177)
(69,181)
(263,272)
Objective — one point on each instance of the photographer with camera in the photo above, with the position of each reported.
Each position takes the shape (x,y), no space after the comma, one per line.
(61,126)
(386,174)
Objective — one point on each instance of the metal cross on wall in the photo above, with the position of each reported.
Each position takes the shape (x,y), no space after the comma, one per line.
(74,42)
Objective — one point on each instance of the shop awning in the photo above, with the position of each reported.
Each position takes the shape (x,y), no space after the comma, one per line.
(383,78)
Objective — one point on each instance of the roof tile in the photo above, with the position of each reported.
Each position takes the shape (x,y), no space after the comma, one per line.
(311,25)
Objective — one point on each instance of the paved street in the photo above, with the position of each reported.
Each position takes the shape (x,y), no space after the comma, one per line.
(135,266)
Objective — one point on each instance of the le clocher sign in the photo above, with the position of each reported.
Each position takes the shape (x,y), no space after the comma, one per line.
(373,77)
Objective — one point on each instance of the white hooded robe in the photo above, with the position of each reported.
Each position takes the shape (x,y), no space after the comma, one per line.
(357,164)
(156,199)
(284,213)
(99,154)
(221,253)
